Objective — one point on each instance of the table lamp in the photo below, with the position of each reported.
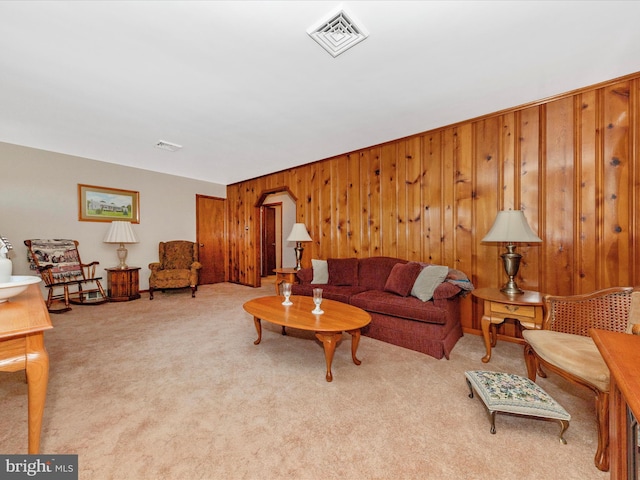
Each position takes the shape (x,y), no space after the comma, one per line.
(299,234)
(121,232)
(511,227)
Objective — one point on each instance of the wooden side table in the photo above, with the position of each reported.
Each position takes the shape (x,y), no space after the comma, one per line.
(527,308)
(284,275)
(123,284)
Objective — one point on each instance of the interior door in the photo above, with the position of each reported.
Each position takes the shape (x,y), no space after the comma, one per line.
(268,240)
(211,236)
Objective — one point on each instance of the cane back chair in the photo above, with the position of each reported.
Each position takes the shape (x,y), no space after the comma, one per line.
(68,279)
(563,346)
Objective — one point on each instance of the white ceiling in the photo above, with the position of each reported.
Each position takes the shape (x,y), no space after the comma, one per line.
(247,92)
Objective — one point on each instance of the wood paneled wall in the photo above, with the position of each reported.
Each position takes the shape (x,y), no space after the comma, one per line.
(570,162)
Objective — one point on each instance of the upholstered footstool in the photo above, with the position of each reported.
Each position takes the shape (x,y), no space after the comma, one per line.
(515,395)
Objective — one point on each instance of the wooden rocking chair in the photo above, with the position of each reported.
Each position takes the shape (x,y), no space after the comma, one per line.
(58,263)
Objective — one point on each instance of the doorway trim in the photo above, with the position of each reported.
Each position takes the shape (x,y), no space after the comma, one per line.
(257,236)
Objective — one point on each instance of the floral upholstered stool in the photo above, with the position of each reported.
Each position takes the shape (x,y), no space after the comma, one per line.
(516,395)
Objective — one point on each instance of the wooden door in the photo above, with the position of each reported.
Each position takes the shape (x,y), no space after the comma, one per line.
(268,240)
(211,237)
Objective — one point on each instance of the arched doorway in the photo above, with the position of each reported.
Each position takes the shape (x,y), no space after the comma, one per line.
(277,214)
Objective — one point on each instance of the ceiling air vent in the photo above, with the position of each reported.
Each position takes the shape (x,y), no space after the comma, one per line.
(172,147)
(338,32)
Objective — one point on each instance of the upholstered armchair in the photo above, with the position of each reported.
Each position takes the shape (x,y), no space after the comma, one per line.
(563,346)
(178,267)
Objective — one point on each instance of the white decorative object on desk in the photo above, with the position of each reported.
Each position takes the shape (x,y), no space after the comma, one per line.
(16,285)
(6,267)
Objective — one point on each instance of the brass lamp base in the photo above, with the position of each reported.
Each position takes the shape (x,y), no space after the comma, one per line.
(298,249)
(511,288)
(511,262)
(122,256)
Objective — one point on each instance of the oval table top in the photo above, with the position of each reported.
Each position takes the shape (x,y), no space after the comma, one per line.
(337,316)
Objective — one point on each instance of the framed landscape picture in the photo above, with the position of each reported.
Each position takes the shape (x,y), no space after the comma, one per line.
(102,204)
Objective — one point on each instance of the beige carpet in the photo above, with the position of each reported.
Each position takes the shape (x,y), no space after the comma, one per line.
(174,388)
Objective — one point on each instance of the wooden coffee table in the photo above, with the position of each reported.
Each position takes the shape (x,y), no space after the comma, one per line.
(337,318)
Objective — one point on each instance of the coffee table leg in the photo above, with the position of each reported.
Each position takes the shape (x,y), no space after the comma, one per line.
(355,340)
(258,325)
(329,341)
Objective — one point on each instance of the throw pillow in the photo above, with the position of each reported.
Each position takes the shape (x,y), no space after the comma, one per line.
(428,280)
(320,271)
(402,278)
(343,271)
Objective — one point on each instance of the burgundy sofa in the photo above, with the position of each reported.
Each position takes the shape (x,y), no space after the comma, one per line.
(432,327)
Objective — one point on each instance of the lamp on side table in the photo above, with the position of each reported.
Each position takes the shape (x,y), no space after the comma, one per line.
(511,227)
(299,234)
(121,232)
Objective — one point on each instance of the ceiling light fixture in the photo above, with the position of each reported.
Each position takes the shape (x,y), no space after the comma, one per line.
(338,32)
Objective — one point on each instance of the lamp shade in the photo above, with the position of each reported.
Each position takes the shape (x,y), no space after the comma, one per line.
(299,234)
(120,232)
(511,226)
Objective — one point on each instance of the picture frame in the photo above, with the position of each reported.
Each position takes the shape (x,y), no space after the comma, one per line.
(104,204)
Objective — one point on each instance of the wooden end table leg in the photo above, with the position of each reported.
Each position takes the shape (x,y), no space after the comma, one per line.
(355,340)
(486,335)
(258,325)
(329,341)
(493,330)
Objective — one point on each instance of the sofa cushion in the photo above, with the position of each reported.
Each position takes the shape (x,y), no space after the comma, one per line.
(374,271)
(402,278)
(320,271)
(343,271)
(330,292)
(428,280)
(305,275)
(387,303)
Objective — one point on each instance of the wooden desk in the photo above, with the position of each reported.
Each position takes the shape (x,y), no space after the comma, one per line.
(284,275)
(23,320)
(621,353)
(526,308)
